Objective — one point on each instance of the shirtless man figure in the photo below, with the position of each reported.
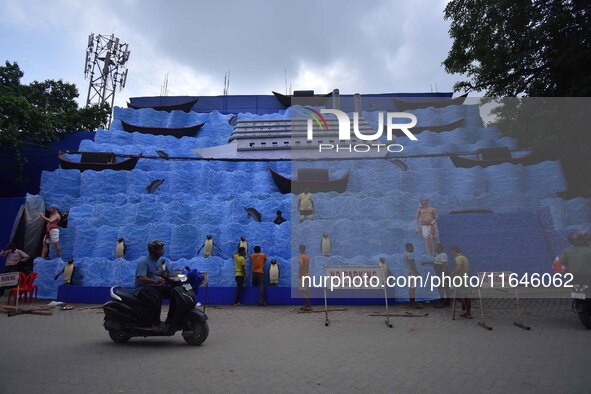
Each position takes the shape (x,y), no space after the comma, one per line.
(52,232)
(428,218)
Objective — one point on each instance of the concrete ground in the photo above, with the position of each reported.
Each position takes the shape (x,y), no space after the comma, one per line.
(255,349)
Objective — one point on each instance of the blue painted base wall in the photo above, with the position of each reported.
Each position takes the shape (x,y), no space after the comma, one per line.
(216,296)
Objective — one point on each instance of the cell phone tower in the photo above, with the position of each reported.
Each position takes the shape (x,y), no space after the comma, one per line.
(106,68)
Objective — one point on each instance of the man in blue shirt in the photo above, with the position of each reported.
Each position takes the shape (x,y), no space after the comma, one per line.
(148,279)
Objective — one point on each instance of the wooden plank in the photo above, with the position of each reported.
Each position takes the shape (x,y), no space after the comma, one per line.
(26,306)
(398,314)
(11,310)
(30,312)
(322,310)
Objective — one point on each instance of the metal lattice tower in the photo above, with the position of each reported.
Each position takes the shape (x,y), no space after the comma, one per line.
(106,68)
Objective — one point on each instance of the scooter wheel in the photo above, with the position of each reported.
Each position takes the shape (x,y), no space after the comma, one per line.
(118,336)
(198,335)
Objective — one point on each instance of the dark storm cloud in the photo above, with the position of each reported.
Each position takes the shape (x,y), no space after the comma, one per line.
(372,46)
(368,47)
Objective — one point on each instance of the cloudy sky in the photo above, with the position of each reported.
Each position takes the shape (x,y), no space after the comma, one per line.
(375,46)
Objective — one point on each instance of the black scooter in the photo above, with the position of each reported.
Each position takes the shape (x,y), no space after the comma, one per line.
(582,304)
(127,316)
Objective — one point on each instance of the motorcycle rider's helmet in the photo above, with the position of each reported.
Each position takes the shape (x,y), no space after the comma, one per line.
(155,245)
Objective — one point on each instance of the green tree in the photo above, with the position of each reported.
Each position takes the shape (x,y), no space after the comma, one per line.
(10,78)
(521,47)
(37,112)
(536,50)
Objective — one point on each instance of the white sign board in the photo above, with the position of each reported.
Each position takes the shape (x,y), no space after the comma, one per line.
(9,279)
(354,277)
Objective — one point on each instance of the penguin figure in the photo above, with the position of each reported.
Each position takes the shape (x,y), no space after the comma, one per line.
(243,244)
(273,273)
(120,249)
(208,246)
(325,245)
(70,273)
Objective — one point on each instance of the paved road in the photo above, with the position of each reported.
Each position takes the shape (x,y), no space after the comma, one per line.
(275,349)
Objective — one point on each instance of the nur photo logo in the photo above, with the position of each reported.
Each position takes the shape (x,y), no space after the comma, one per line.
(370,140)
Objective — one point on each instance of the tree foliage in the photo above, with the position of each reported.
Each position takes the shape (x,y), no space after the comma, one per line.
(37,112)
(521,47)
(539,51)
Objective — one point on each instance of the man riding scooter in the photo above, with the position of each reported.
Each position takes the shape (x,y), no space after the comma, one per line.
(136,313)
(150,282)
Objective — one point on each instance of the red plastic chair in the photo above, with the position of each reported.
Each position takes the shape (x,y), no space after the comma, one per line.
(23,291)
(30,286)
